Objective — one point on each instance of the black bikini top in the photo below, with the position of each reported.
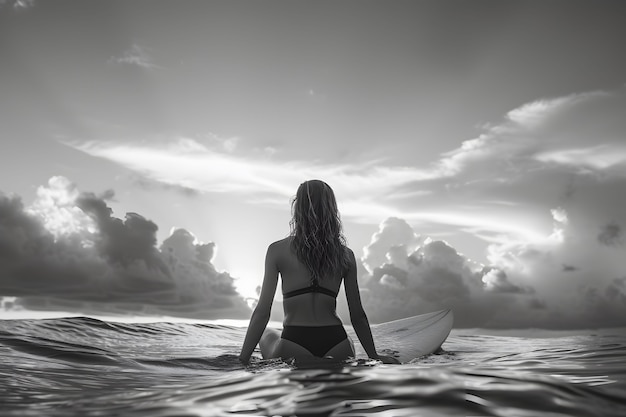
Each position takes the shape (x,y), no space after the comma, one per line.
(315,287)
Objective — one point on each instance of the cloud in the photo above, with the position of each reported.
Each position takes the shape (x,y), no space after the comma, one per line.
(539,111)
(596,158)
(610,235)
(393,236)
(417,274)
(496,280)
(576,273)
(150,185)
(18,4)
(68,252)
(524,285)
(137,56)
(559,130)
(216,167)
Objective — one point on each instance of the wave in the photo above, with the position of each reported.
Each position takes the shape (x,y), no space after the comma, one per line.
(58,350)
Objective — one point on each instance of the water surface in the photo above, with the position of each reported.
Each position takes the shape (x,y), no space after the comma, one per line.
(86,367)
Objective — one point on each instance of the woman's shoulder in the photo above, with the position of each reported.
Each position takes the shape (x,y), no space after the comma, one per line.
(279,250)
(280,244)
(348,251)
(350,255)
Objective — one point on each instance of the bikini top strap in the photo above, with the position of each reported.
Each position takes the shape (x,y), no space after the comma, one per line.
(314,287)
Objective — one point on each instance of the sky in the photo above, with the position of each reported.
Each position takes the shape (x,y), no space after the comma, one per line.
(150,151)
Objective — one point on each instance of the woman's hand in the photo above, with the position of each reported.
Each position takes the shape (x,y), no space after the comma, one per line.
(388,359)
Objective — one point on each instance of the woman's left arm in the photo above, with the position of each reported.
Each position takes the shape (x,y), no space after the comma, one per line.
(261,315)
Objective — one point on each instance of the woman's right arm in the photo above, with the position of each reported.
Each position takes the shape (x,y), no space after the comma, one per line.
(261,314)
(357,314)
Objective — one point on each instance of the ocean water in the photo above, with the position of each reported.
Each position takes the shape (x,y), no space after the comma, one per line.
(86,367)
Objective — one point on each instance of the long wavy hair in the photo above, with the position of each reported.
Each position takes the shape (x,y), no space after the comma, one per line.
(318,239)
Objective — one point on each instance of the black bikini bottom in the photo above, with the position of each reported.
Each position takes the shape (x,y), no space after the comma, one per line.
(317,340)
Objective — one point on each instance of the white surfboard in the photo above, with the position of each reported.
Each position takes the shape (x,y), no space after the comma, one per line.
(412,337)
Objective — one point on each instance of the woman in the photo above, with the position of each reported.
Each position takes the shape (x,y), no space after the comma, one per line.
(312,262)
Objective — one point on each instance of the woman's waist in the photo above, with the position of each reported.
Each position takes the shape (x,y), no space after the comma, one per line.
(312,322)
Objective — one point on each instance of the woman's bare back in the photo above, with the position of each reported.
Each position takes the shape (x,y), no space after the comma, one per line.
(309,309)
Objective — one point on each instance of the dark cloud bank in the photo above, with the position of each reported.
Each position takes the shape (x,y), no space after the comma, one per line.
(107,266)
